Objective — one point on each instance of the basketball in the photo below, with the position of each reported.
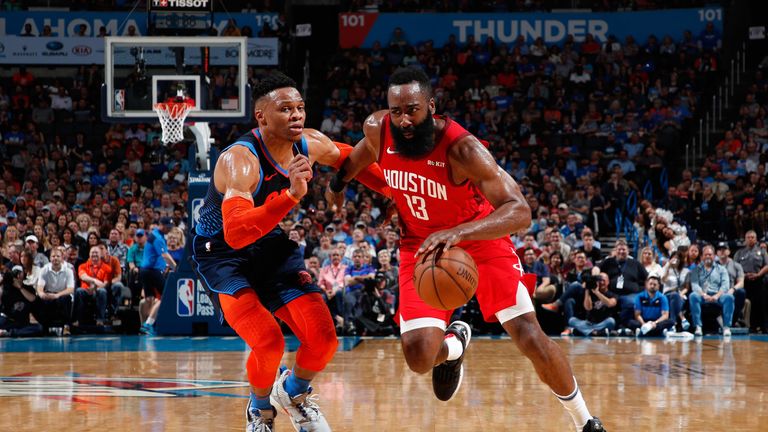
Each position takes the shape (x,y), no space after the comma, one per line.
(545,294)
(446,280)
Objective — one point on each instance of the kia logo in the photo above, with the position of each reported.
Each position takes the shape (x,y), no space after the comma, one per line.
(81,50)
(54,45)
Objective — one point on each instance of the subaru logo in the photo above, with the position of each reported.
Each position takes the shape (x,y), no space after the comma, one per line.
(81,50)
(54,45)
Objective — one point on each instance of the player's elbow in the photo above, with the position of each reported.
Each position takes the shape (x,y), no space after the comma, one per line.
(522,212)
(237,238)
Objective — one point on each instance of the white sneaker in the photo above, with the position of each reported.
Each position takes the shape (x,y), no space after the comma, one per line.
(686,325)
(698,331)
(726,332)
(303,409)
(258,420)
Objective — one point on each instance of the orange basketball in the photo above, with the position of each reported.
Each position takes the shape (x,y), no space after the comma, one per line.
(445,280)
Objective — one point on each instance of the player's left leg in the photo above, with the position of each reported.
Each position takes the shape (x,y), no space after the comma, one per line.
(502,294)
(311,321)
(550,364)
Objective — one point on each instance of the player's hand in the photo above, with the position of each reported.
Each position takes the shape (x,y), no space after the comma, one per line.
(300,172)
(444,238)
(334,199)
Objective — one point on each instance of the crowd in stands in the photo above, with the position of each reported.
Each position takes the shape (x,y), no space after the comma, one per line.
(583,127)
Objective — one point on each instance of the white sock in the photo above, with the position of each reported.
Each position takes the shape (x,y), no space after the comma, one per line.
(575,406)
(150,321)
(455,348)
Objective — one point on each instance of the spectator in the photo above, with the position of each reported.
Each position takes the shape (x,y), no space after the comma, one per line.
(648,259)
(27,31)
(545,292)
(115,287)
(626,275)
(176,242)
(589,246)
(755,264)
(118,249)
(710,286)
(651,310)
(355,277)
(39,258)
(16,300)
(674,277)
(735,278)
(133,261)
(375,317)
(55,287)
(331,281)
(598,307)
(94,277)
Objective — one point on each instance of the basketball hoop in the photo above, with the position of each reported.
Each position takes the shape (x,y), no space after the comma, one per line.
(172,116)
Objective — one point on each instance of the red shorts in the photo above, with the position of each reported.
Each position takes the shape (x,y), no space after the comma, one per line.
(499,272)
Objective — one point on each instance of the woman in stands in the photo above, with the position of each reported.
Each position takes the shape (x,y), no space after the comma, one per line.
(674,276)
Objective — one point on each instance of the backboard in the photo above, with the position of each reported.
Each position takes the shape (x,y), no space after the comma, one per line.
(143,71)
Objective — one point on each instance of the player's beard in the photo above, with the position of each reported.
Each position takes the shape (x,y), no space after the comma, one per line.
(420,143)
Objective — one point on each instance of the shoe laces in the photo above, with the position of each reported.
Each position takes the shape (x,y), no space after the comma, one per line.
(307,405)
(259,423)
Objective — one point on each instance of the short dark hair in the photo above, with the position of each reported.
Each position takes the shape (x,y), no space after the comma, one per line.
(273,81)
(408,75)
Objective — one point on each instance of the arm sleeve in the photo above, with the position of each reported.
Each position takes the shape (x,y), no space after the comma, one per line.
(371,176)
(244,224)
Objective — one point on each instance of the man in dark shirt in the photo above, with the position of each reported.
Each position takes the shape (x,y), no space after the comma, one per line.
(627,276)
(596,317)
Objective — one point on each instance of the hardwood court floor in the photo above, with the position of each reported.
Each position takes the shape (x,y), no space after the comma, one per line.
(649,385)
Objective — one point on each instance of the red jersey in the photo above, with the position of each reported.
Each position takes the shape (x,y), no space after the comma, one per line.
(426,197)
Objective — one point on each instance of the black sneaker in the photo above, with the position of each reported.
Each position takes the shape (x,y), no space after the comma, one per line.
(593,425)
(446,377)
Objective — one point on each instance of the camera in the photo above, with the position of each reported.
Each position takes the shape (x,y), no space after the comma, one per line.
(590,281)
(17,271)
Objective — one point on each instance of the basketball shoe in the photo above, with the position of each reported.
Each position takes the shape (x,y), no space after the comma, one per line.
(593,425)
(304,412)
(446,377)
(259,420)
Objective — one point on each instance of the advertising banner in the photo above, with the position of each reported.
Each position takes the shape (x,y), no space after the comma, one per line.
(363,29)
(90,50)
(116,23)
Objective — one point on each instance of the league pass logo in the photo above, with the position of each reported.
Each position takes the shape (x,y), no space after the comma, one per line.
(185,290)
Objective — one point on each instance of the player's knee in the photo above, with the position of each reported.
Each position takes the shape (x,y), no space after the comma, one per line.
(417,358)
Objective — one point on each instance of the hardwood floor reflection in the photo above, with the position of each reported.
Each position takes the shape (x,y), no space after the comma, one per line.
(631,385)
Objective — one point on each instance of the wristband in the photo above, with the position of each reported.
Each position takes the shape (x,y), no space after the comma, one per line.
(337,183)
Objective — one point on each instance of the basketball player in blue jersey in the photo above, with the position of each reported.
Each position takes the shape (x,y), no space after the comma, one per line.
(251,267)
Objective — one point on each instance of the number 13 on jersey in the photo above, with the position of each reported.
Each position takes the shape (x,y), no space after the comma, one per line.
(418,206)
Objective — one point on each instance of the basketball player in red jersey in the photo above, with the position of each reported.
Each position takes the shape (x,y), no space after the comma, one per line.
(251,267)
(449,190)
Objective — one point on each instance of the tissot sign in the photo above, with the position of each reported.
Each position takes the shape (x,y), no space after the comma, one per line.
(182,5)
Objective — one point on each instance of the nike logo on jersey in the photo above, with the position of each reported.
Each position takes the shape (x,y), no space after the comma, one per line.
(269,177)
(390,150)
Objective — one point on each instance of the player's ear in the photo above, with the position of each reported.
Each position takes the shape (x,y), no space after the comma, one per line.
(432,105)
(258,114)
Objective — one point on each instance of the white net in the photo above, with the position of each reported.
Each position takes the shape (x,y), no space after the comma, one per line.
(172,116)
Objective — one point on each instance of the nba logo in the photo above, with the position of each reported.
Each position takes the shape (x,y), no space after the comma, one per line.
(185,295)
(119,100)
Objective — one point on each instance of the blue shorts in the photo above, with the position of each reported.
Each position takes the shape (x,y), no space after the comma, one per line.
(273,267)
